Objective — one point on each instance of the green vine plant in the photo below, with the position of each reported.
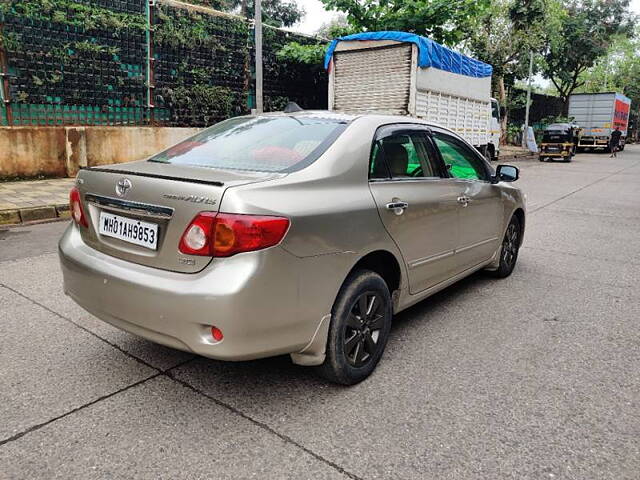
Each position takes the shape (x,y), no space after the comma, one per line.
(207,100)
(182,29)
(95,48)
(10,41)
(70,12)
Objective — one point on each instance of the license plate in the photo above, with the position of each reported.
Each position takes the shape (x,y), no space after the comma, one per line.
(129,230)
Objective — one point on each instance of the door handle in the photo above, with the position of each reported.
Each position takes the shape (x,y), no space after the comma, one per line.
(463,200)
(394,205)
(397,206)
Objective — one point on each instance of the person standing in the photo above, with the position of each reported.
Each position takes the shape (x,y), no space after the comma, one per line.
(614,142)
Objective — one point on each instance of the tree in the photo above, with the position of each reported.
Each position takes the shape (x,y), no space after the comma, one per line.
(618,70)
(584,36)
(336,27)
(276,13)
(504,36)
(445,21)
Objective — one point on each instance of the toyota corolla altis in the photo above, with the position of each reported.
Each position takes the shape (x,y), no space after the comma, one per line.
(296,234)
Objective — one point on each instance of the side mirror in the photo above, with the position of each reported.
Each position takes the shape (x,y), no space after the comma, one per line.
(506,173)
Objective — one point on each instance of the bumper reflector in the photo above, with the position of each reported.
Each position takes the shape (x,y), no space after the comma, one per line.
(216,333)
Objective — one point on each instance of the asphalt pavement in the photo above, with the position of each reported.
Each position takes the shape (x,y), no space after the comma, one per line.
(536,376)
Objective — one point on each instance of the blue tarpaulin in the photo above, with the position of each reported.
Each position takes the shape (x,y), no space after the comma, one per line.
(431,54)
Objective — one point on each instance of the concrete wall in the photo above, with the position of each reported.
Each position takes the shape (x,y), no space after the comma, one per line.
(31,151)
(61,151)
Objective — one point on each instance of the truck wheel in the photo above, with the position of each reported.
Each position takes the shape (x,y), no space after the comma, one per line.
(360,325)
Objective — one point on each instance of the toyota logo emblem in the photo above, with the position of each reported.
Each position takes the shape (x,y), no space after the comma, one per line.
(123,186)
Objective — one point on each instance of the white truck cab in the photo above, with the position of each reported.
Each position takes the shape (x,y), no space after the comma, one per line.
(405,74)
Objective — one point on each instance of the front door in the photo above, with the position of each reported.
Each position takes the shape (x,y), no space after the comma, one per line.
(418,207)
(481,207)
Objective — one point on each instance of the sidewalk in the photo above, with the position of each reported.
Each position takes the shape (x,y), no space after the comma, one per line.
(38,200)
(515,153)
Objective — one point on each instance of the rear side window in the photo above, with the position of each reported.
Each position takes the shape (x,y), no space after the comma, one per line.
(265,144)
(401,155)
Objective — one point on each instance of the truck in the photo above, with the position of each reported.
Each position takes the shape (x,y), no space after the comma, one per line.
(399,73)
(597,115)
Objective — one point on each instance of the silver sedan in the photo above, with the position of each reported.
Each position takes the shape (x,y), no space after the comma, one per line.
(298,234)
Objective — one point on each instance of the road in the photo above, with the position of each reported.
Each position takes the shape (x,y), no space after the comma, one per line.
(533,377)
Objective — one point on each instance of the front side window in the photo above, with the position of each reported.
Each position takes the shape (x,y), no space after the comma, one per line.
(461,161)
(401,155)
(495,110)
(266,144)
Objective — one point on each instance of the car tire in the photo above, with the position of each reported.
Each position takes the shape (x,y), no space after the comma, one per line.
(357,339)
(488,156)
(541,159)
(509,249)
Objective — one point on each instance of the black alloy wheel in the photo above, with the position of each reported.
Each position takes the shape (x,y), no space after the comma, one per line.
(359,328)
(510,245)
(363,327)
(509,249)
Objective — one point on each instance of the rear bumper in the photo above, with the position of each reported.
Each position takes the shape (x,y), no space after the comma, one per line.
(556,150)
(593,142)
(252,298)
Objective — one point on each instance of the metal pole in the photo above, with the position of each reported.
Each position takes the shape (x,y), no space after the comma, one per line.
(258,40)
(525,130)
(4,82)
(150,4)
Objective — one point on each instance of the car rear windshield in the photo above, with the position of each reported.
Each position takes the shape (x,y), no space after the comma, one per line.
(265,144)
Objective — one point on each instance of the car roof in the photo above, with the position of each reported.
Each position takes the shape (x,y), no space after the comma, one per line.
(559,126)
(349,117)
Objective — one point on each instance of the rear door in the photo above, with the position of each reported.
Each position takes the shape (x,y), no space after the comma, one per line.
(418,207)
(480,202)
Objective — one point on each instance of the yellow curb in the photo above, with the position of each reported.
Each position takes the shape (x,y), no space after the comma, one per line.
(9,217)
(63,211)
(38,213)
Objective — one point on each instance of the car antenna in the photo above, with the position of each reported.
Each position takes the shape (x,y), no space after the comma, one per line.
(293,107)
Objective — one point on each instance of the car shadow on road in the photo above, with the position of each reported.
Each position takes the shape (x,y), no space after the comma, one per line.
(266,379)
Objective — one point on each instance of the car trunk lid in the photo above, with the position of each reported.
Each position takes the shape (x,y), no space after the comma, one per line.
(160,199)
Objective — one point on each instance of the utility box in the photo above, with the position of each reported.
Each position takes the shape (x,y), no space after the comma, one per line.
(397,73)
(598,114)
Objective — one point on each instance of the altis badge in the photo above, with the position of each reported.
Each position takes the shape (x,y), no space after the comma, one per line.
(190,198)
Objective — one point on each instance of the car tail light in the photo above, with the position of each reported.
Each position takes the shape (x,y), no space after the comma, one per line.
(75,206)
(225,234)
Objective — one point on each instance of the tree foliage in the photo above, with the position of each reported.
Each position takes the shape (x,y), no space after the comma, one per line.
(277,13)
(618,70)
(584,35)
(505,34)
(308,54)
(444,21)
